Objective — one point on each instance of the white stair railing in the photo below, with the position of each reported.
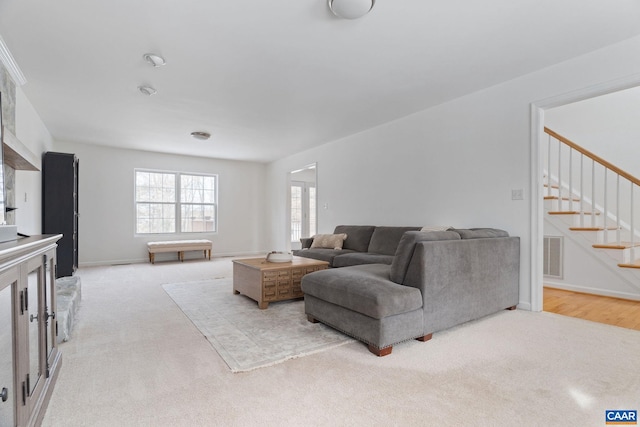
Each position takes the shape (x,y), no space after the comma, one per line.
(619,214)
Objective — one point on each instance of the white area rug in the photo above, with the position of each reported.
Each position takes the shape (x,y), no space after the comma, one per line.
(245,336)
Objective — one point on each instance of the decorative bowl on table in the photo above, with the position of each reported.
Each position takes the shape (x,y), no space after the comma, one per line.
(279,257)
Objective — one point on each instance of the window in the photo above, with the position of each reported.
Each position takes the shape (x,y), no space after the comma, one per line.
(174,202)
(303,210)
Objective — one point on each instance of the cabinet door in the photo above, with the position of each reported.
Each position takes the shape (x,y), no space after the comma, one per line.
(35,350)
(8,285)
(50,322)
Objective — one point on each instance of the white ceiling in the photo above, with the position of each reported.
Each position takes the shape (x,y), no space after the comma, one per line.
(269,79)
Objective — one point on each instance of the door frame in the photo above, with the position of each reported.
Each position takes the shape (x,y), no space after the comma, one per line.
(289,180)
(537,139)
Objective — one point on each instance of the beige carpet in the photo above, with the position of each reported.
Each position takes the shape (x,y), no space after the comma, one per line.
(246,337)
(134,359)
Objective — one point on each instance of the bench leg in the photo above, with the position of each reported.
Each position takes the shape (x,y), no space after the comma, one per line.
(152,257)
(181,256)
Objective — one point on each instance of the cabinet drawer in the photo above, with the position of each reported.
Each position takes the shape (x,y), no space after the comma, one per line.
(284,274)
(270,275)
(284,292)
(269,291)
(269,286)
(296,291)
(270,295)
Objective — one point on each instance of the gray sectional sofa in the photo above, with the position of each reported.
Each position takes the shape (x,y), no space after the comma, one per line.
(365,244)
(436,280)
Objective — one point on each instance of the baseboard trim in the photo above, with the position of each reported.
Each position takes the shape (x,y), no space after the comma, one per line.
(524,305)
(188,256)
(592,291)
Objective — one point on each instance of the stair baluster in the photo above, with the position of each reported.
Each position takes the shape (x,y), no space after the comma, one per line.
(600,199)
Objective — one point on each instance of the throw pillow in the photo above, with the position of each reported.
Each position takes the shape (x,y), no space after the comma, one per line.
(328,241)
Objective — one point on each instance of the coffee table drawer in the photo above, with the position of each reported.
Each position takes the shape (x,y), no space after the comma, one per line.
(270,291)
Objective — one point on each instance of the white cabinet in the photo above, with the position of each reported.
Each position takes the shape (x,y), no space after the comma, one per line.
(29,357)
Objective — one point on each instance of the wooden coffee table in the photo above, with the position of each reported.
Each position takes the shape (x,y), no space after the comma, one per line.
(267,282)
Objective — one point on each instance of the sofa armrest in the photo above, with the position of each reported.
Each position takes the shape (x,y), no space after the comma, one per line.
(306,242)
(463,280)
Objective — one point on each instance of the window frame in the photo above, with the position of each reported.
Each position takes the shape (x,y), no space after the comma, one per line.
(177,204)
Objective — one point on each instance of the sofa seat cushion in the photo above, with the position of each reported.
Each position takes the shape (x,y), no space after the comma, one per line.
(365,289)
(358,258)
(322,254)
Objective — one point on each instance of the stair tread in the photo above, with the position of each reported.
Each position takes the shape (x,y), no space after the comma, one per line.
(632,265)
(622,245)
(591,228)
(556,198)
(570,213)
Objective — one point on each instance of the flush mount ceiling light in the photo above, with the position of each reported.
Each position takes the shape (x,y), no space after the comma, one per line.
(201,135)
(351,9)
(147,90)
(153,59)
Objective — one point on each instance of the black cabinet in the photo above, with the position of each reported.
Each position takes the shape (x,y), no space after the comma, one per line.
(60,207)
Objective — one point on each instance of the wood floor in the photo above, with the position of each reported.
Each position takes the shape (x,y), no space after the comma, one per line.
(612,311)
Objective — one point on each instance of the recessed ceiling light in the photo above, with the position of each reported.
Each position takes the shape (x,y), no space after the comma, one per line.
(153,59)
(201,135)
(147,90)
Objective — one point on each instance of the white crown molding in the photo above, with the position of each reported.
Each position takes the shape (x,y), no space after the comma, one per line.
(11,65)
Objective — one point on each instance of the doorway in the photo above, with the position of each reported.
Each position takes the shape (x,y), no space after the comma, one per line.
(303,219)
(540,111)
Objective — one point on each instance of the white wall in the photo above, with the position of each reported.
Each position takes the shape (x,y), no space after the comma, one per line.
(608,126)
(588,270)
(454,164)
(106,203)
(31,131)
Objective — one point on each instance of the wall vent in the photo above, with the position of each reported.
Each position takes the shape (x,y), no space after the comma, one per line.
(553,256)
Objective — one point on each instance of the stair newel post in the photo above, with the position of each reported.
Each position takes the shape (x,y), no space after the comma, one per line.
(632,228)
(581,190)
(570,179)
(593,193)
(618,238)
(559,176)
(606,211)
(549,165)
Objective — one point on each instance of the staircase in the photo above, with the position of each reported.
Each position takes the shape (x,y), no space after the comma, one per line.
(594,203)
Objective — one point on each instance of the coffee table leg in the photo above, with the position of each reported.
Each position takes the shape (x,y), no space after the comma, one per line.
(263,305)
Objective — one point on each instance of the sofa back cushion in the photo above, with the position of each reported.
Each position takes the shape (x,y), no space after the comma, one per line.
(358,236)
(385,240)
(407,244)
(481,233)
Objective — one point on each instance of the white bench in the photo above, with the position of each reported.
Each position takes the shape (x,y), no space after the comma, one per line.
(179,246)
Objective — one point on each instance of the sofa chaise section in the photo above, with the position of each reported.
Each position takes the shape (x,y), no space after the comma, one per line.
(437,280)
